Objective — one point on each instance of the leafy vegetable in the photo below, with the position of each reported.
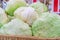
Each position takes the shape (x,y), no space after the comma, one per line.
(39,7)
(13,5)
(16,27)
(47,26)
(27,14)
(3,17)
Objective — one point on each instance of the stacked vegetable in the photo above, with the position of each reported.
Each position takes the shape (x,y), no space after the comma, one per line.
(26,20)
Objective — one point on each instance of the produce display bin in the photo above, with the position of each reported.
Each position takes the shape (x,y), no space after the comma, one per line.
(8,37)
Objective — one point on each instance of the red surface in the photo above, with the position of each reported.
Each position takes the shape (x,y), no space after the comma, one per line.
(59,5)
(34,0)
(55,5)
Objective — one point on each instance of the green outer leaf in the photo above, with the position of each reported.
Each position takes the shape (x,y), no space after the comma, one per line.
(1,25)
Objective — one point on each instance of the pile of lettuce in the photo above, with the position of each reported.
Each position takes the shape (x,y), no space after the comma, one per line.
(18,18)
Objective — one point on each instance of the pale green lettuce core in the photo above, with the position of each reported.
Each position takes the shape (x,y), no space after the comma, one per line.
(13,5)
(47,26)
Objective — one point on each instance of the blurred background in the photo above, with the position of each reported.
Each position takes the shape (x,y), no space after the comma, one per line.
(50,4)
(4,2)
